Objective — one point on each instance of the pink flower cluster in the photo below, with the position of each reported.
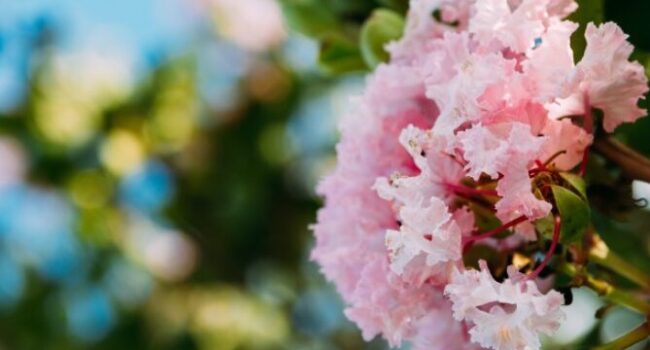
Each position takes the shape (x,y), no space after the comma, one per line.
(484,91)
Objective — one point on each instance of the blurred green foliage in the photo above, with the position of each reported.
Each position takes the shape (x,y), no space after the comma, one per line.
(382,27)
(351,40)
(232,211)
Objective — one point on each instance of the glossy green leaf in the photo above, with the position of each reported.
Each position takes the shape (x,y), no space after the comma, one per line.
(574,211)
(545,226)
(339,54)
(576,182)
(382,27)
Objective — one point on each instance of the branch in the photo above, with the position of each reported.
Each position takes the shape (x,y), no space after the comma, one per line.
(632,163)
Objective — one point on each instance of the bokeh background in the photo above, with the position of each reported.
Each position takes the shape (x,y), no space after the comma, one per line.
(157,166)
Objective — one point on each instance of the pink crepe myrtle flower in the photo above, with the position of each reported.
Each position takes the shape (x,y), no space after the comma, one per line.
(381,303)
(547,67)
(564,135)
(605,79)
(507,315)
(421,27)
(509,153)
(515,28)
(476,101)
(470,74)
(438,330)
(437,171)
(426,229)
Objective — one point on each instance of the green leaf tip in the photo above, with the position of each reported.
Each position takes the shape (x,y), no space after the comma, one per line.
(382,27)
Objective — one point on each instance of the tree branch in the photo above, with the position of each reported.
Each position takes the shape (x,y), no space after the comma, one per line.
(633,164)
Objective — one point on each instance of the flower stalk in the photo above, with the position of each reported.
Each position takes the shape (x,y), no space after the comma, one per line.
(549,254)
(601,255)
(496,231)
(606,290)
(636,335)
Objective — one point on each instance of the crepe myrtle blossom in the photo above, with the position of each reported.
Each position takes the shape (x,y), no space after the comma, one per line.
(478,110)
(505,315)
(605,79)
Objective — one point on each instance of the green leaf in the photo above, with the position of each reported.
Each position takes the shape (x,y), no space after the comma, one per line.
(339,54)
(310,18)
(576,182)
(545,226)
(382,27)
(588,11)
(485,219)
(574,211)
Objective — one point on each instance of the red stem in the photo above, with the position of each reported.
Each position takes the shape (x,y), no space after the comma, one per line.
(471,239)
(549,254)
(552,158)
(540,167)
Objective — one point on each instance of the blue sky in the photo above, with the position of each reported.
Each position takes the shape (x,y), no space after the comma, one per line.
(137,25)
(142,30)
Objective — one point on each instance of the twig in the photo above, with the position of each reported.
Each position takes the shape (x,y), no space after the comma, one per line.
(632,163)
